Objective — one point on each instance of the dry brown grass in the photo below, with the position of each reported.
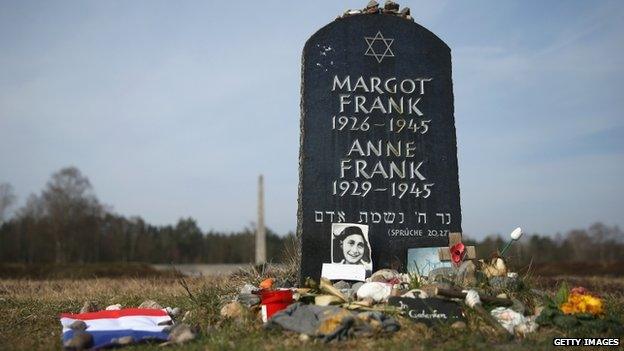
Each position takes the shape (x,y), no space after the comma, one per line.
(81,290)
(601,285)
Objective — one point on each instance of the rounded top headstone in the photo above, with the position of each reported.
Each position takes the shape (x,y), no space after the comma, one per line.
(378,145)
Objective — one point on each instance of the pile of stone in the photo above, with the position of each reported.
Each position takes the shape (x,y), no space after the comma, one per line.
(390,8)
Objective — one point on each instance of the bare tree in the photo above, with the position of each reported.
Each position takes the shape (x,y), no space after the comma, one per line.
(34,208)
(68,198)
(7,199)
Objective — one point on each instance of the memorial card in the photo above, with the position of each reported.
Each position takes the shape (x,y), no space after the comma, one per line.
(428,311)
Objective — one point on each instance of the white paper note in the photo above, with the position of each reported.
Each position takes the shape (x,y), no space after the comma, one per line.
(338,271)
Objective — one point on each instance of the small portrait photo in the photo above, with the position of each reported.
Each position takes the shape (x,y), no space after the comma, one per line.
(350,245)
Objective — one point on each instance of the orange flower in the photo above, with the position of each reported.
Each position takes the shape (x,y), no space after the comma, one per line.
(266,284)
(582,303)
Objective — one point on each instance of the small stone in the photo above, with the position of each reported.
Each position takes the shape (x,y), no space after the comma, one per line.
(248,289)
(114,307)
(326,287)
(372,7)
(248,299)
(499,284)
(89,306)
(341,284)
(233,310)
(304,337)
(173,312)
(459,325)
(502,296)
(80,341)
(384,275)
(151,304)
(377,291)
(372,4)
(351,13)
(391,7)
(78,325)
(353,290)
(181,333)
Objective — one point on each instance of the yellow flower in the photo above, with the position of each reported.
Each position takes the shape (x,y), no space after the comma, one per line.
(582,303)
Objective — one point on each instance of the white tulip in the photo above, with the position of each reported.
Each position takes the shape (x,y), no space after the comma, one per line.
(516,234)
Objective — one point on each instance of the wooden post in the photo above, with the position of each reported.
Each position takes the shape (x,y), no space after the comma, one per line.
(260,230)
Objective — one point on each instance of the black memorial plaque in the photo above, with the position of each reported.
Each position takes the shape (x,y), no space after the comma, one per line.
(429,310)
(378,144)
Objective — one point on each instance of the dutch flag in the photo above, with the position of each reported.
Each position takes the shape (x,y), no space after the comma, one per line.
(105,326)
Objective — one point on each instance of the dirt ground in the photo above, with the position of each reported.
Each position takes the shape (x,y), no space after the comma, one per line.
(30,311)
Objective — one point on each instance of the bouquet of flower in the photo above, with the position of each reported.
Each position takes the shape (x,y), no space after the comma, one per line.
(582,301)
(575,309)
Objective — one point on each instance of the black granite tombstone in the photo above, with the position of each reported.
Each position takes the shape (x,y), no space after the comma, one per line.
(378,144)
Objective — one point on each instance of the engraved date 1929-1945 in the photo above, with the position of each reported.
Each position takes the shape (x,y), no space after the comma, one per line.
(396,189)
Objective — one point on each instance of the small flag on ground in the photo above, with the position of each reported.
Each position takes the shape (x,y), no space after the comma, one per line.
(141,324)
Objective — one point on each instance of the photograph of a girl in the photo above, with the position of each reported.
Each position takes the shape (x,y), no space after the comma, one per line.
(350,245)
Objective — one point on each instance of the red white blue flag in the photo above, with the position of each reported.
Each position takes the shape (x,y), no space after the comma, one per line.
(141,324)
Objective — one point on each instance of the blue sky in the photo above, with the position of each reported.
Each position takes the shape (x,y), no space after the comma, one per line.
(173,108)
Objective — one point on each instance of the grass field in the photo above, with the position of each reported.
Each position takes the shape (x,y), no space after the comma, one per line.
(31,308)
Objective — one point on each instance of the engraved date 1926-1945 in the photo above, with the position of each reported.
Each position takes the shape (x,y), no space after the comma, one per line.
(395,125)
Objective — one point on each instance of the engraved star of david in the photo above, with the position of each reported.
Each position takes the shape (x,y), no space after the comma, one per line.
(379,56)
